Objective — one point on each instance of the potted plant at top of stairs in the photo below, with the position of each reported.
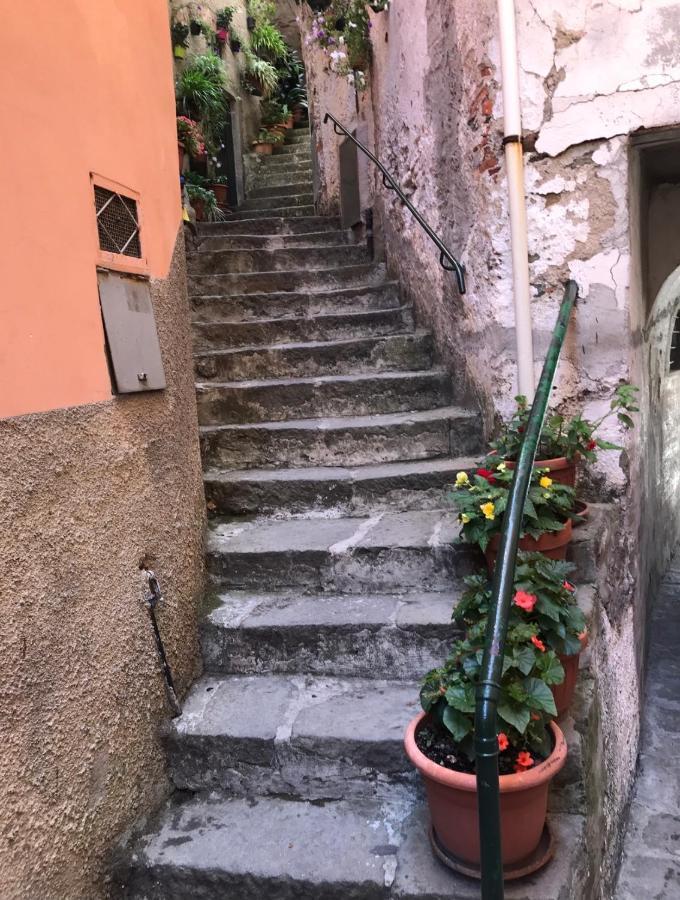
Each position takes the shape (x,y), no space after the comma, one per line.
(545,599)
(481,501)
(565,441)
(203,201)
(219,185)
(266,141)
(532,749)
(189,139)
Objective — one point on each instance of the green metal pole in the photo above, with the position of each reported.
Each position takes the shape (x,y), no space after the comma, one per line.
(488,690)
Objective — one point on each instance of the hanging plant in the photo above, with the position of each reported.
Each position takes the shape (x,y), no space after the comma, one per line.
(343,32)
(380,6)
(180,35)
(235,43)
(195,27)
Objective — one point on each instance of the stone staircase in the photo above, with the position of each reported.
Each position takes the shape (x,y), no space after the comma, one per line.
(329,437)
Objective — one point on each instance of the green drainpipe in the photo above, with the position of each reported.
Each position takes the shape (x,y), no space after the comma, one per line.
(486,730)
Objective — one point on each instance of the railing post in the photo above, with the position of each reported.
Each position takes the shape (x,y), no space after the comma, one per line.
(486,729)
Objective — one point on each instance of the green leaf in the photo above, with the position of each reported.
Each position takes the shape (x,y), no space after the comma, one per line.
(515,716)
(548,608)
(458,724)
(524,658)
(551,669)
(539,696)
(461,697)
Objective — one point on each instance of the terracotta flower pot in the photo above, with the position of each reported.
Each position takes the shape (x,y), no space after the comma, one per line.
(564,693)
(180,152)
(581,509)
(552,544)
(222,35)
(221,192)
(199,209)
(290,121)
(562,470)
(298,114)
(452,798)
(263,149)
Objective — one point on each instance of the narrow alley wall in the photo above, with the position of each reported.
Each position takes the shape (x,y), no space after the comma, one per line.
(92,484)
(591,74)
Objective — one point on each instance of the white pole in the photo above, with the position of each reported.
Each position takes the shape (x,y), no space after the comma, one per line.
(514,164)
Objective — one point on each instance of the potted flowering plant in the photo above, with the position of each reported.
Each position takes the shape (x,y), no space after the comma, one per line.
(203,201)
(481,501)
(532,750)
(189,138)
(180,39)
(223,22)
(544,598)
(235,43)
(266,140)
(219,185)
(564,441)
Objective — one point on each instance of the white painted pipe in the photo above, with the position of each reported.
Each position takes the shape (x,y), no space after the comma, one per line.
(514,164)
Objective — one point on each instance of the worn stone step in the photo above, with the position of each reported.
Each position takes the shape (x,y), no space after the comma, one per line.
(293,280)
(291,187)
(344,441)
(275,241)
(304,200)
(207,262)
(271,225)
(420,484)
(283,211)
(305,737)
(387,552)
(298,137)
(273,177)
(290,304)
(368,849)
(276,163)
(348,356)
(300,150)
(275,400)
(366,636)
(222,334)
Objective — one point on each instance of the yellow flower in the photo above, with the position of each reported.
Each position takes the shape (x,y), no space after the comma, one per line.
(461,479)
(545,482)
(489,510)
(464,518)
(501,468)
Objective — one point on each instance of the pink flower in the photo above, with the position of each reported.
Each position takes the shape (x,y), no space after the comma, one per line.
(525,601)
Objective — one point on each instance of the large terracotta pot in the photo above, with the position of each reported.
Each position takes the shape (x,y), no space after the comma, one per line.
(452,798)
(263,149)
(221,192)
(552,544)
(199,209)
(562,470)
(564,693)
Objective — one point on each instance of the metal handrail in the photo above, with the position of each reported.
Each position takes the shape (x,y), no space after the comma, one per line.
(446,259)
(488,689)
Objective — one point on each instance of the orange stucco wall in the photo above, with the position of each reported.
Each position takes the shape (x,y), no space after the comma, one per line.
(86,87)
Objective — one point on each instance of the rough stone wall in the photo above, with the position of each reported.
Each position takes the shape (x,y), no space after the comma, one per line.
(85,494)
(591,74)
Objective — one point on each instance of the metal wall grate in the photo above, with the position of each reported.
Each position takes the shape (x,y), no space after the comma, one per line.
(117,223)
(675,345)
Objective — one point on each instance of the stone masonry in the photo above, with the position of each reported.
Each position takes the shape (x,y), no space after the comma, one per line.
(329,436)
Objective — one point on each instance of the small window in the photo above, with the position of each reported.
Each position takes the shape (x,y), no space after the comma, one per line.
(675,345)
(117,223)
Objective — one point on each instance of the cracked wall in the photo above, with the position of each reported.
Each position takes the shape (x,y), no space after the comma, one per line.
(592,73)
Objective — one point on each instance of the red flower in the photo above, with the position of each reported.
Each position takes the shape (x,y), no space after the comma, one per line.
(503,741)
(568,587)
(535,717)
(525,601)
(538,644)
(524,761)
(592,444)
(488,474)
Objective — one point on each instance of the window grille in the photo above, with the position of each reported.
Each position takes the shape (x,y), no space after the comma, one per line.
(117,223)
(675,345)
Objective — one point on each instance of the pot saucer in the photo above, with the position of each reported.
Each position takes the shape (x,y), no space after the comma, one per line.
(532,863)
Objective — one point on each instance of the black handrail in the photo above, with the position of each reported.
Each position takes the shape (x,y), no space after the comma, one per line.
(488,689)
(446,259)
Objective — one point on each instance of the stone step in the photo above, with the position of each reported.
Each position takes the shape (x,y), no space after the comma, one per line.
(369,849)
(280,163)
(381,636)
(304,200)
(308,738)
(290,304)
(270,225)
(222,334)
(207,262)
(420,484)
(292,186)
(300,150)
(279,399)
(283,211)
(292,280)
(298,137)
(390,552)
(349,356)
(275,241)
(343,441)
(283,175)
